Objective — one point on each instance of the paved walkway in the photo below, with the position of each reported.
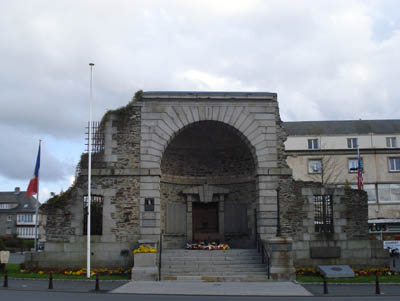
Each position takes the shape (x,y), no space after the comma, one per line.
(202,288)
(213,288)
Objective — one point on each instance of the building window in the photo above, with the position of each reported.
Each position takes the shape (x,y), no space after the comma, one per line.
(313,144)
(391,142)
(96,215)
(8,231)
(370,189)
(315,166)
(353,165)
(352,142)
(394,164)
(323,211)
(25,218)
(9,218)
(5,206)
(389,192)
(26,232)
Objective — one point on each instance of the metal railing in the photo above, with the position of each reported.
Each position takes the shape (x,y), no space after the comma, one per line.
(265,256)
(159,256)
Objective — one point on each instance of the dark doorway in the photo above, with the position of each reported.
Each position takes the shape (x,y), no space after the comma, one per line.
(205,222)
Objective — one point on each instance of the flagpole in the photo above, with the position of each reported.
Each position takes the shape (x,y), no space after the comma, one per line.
(37,206)
(89,171)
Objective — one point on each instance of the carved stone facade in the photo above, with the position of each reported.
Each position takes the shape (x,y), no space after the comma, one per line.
(192,166)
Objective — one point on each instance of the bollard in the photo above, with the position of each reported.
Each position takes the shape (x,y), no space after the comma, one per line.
(377,288)
(51,281)
(97,283)
(325,285)
(5,279)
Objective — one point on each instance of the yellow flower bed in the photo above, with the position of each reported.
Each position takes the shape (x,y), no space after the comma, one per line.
(144,249)
(77,271)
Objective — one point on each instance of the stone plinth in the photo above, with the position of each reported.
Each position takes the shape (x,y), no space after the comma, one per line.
(145,268)
(145,259)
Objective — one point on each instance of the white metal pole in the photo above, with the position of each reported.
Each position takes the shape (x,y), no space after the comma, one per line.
(37,204)
(89,171)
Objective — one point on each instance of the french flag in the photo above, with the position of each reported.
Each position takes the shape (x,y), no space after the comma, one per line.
(360,180)
(34,182)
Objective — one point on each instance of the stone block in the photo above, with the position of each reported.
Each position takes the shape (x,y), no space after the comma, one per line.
(149,179)
(150,231)
(302,254)
(267,207)
(336,271)
(148,164)
(145,259)
(325,252)
(150,186)
(155,193)
(301,245)
(357,244)
(145,273)
(264,116)
(268,164)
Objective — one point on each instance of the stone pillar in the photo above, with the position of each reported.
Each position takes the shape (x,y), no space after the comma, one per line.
(150,224)
(189,218)
(266,206)
(221,218)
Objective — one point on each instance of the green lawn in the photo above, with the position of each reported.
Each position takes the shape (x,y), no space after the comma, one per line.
(360,279)
(13,271)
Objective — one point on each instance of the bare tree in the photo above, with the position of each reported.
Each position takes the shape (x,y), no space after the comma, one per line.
(330,170)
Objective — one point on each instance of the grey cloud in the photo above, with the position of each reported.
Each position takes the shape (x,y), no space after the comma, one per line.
(306,51)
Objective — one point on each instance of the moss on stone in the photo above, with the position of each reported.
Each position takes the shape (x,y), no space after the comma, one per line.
(58,201)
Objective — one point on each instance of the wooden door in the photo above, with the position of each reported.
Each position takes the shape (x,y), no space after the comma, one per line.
(205,222)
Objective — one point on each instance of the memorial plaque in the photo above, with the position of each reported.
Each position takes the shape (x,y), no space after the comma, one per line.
(149,204)
(325,252)
(336,271)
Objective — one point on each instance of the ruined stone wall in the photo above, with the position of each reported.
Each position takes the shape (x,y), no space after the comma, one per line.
(350,211)
(115,176)
(348,244)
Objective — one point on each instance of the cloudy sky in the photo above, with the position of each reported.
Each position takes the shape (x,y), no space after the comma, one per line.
(326,59)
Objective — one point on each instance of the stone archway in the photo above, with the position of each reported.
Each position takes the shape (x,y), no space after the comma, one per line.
(208,184)
(253,116)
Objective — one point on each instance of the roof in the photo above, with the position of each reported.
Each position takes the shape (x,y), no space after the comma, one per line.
(342,127)
(207,95)
(23,204)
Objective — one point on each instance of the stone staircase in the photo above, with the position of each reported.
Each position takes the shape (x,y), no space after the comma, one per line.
(216,265)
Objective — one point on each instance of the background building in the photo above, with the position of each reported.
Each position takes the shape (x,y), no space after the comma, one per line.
(17,214)
(326,152)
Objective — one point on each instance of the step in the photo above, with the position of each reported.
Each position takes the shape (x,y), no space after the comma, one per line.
(228,260)
(205,253)
(166,265)
(213,273)
(218,278)
(211,269)
(215,265)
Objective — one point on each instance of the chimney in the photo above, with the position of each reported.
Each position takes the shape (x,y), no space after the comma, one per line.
(16,190)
